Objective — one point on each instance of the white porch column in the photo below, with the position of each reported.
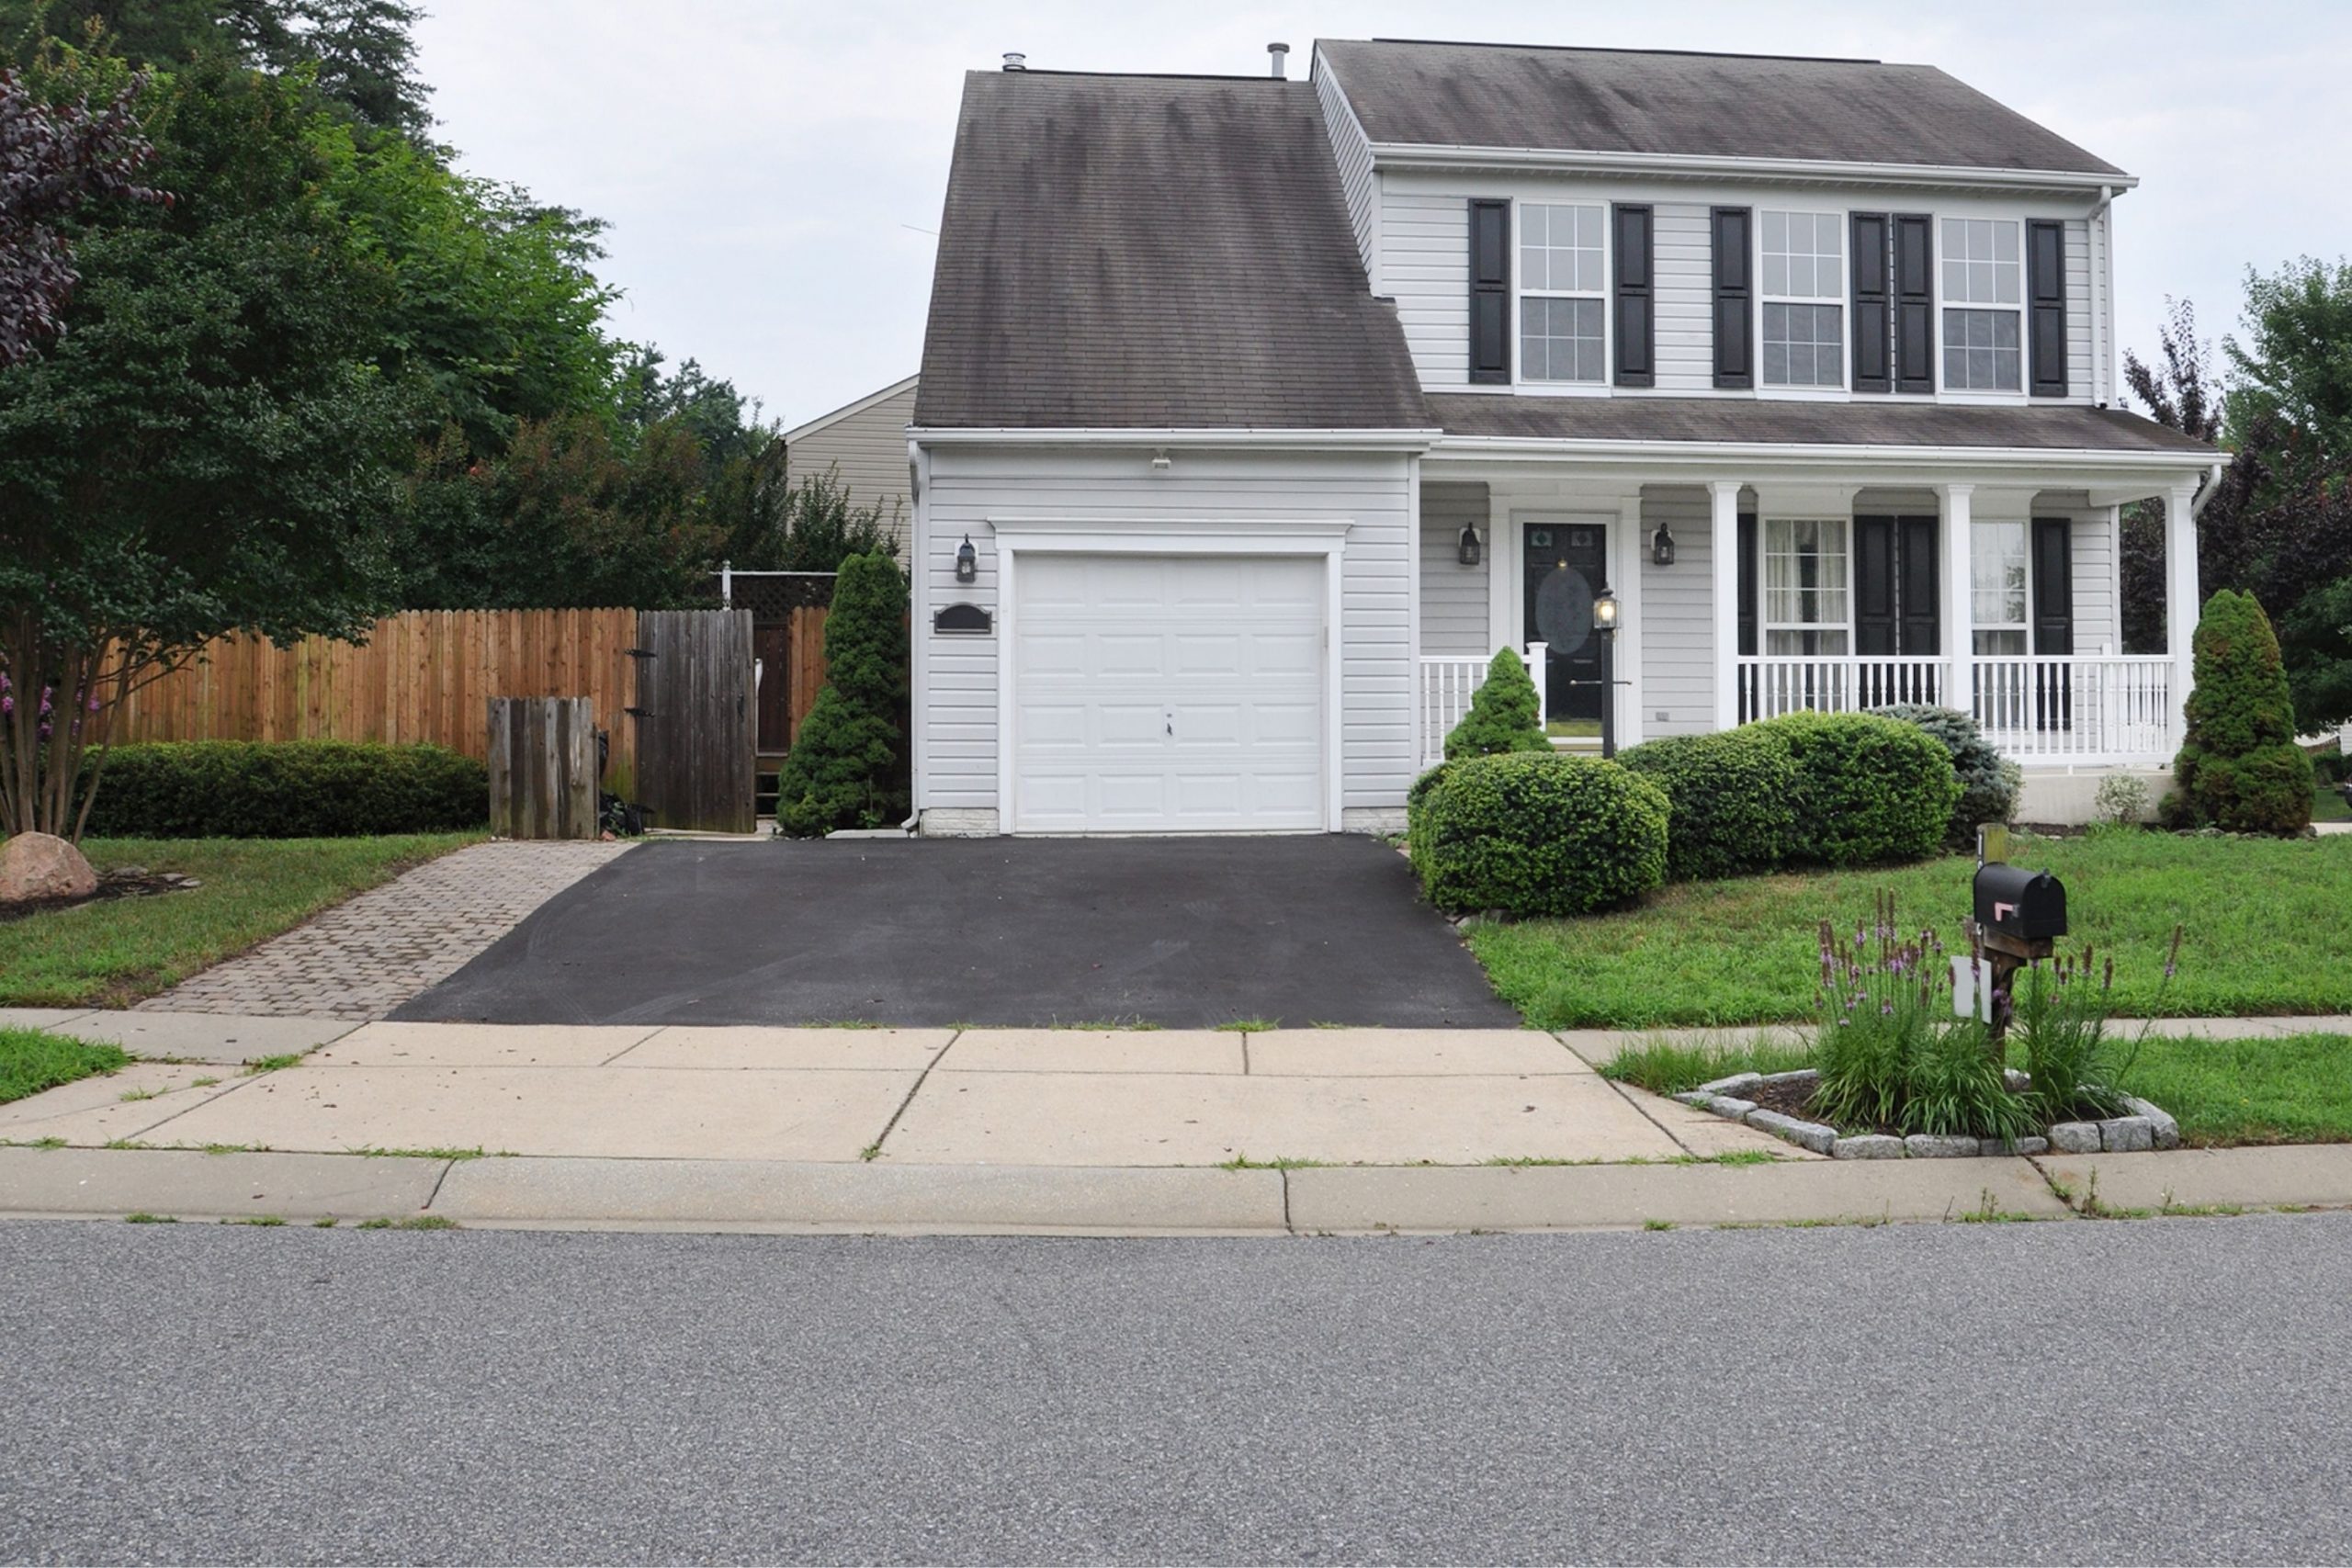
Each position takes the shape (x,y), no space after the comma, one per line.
(1726,562)
(1957,634)
(2182,604)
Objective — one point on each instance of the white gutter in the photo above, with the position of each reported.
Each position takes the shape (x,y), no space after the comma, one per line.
(1686,454)
(1091,435)
(1416,155)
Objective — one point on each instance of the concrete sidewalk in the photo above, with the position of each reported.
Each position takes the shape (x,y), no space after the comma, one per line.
(910,1130)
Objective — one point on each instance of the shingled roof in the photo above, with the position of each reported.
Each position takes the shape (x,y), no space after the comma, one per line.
(2052,428)
(1153,252)
(1730,106)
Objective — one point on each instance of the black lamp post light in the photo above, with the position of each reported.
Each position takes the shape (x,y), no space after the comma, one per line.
(1604,620)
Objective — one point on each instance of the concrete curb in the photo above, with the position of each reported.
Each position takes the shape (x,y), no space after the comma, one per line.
(191,1184)
(2294,1176)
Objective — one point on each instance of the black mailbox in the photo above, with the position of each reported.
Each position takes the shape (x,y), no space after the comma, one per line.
(2028,904)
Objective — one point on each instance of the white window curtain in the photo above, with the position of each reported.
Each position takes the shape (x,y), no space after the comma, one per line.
(1996,557)
(1807,606)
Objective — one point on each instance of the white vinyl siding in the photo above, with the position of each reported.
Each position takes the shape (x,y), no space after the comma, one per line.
(1425,266)
(868,450)
(1349,149)
(1369,491)
(2079,307)
(2099,626)
(1683,297)
(1677,694)
(1454,596)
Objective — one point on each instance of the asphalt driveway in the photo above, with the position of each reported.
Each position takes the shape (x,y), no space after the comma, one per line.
(1180,932)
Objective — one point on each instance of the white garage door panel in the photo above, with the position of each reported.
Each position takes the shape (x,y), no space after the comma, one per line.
(1168,693)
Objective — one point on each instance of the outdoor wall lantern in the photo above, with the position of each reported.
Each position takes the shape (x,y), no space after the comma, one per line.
(1662,546)
(1469,553)
(967,561)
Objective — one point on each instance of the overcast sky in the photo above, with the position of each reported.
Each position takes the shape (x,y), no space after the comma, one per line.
(772,171)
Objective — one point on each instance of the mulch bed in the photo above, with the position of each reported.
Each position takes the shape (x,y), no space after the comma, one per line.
(131,882)
(1796,1099)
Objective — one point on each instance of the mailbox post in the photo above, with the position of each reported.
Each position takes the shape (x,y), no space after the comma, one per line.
(2020,916)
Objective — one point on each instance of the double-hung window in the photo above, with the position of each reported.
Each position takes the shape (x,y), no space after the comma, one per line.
(1984,296)
(1804,339)
(1996,588)
(1563,289)
(1806,606)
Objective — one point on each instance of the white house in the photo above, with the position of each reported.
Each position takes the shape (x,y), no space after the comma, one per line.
(1255,414)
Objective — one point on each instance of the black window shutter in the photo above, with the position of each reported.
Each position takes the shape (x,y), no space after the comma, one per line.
(1735,354)
(1490,291)
(2054,586)
(1747,594)
(2045,252)
(1916,636)
(1874,307)
(1915,302)
(1635,313)
(1874,627)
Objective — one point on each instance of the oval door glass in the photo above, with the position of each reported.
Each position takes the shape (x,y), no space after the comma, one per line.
(1564,609)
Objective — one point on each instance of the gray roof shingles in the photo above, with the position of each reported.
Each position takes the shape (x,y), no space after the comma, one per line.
(1153,252)
(1861,423)
(1597,101)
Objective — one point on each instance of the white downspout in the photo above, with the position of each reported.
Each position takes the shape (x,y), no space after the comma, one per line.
(918,628)
(2101,229)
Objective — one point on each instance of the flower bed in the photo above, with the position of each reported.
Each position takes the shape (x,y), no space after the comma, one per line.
(1778,1103)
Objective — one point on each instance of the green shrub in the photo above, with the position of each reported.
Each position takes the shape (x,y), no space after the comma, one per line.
(1733,795)
(1988,780)
(1538,834)
(2239,768)
(1504,714)
(284,789)
(848,768)
(1869,789)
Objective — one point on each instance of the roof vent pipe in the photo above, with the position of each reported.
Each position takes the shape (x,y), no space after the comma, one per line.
(1280,53)
(1016,61)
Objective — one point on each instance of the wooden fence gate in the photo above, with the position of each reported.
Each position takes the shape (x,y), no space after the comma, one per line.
(543,768)
(694,719)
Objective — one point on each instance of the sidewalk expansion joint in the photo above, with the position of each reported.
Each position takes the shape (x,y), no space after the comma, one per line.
(1619,1090)
(209,1099)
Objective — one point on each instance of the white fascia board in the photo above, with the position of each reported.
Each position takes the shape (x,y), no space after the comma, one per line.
(2123,475)
(1414,155)
(1275,439)
(842,413)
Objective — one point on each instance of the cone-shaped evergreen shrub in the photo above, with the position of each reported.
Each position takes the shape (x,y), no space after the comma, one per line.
(848,768)
(2239,768)
(1502,716)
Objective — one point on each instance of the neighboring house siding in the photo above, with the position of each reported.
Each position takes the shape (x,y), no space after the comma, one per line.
(868,448)
(1454,596)
(1369,490)
(2079,307)
(1678,691)
(1685,299)
(1425,266)
(1358,185)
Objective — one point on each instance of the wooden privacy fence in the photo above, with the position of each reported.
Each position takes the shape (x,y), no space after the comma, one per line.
(422,675)
(543,768)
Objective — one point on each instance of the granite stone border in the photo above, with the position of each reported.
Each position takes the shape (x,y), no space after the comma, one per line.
(2143,1128)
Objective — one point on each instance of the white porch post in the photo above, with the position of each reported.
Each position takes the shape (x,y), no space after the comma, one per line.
(1726,562)
(1959,609)
(2182,605)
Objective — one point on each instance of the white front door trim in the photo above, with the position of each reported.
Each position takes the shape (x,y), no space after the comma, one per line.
(1015,535)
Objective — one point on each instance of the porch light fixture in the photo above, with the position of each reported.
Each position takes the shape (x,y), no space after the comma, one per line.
(1604,620)
(1662,546)
(1604,611)
(967,561)
(1468,554)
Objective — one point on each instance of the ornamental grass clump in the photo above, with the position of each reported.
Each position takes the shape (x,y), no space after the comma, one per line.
(2059,1018)
(1890,1053)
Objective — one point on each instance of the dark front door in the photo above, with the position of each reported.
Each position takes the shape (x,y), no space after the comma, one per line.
(1568,564)
(1895,610)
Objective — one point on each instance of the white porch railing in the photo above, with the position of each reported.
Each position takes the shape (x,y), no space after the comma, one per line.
(1448,682)
(2082,708)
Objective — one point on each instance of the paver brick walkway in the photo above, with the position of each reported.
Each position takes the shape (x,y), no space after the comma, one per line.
(365,956)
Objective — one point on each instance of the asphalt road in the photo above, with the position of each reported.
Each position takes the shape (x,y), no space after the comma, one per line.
(1184,933)
(2077,1391)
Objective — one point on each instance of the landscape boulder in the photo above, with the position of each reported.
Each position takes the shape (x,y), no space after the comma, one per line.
(40,865)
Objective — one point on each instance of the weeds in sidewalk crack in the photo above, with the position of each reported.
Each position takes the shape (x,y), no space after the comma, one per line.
(256,1065)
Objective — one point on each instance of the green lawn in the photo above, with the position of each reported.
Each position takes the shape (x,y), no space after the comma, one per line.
(2269,932)
(2328,805)
(114,951)
(2222,1093)
(31,1061)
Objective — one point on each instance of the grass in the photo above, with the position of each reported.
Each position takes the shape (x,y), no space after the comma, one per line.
(1575,729)
(255,1066)
(32,1060)
(1249,1025)
(414,1223)
(118,951)
(372,1152)
(2266,932)
(2295,1090)
(2328,805)
(1665,1067)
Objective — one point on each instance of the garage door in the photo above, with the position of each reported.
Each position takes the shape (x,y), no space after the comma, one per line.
(1168,694)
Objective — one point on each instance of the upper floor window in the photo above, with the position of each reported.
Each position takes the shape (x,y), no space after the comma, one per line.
(1984,296)
(1562,283)
(1804,290)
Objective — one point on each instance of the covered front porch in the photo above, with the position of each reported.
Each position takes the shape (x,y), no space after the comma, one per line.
(1990,587)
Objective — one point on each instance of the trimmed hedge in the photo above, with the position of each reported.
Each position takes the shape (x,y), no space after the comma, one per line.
(1734,799)
(1533,833)
(2239,768)
(1869,789)
(1503,714)
(1988,782)
(284,789)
